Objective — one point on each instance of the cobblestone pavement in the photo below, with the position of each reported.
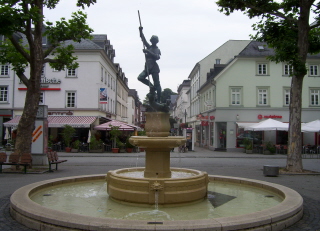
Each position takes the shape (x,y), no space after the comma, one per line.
(229,164)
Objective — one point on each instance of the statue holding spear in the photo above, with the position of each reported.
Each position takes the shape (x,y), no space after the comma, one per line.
(152,54)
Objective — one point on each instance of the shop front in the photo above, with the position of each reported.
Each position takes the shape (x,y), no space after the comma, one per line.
(82,125)
(205,131)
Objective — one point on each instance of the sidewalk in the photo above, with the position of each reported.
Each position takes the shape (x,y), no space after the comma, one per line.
(214,163)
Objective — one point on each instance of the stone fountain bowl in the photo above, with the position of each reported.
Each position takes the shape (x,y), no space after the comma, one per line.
(37,217)
(124,186)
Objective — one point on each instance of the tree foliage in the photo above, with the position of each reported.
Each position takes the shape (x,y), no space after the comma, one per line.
(284,26)
(166,94)
(23,24)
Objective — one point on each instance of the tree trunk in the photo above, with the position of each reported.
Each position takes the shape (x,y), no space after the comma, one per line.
(27,121)
(294,159)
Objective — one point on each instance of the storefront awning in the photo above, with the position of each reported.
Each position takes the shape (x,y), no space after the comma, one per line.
(60,121)
(245,124)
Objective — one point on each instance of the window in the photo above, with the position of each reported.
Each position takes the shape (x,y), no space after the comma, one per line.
(314,97)
(3,94)
(235,96)
(71,99)
(41,99)
(286,97)
(287,69)
(71,73)
(4,70)
(44,40)
(262,97)
(218,61)
(43,70)
(262,69)
(101,74)
(313,70)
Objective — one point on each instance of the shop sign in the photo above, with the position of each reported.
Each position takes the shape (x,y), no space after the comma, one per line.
(212,117)
(46,81)
(201,117)
(208,103)
(64,113)
(204,123)
(260,117)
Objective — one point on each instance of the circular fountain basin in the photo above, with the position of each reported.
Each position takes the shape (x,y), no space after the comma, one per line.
(288,207)
(130,185)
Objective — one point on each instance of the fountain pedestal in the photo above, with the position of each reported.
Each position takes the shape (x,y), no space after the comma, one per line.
(142,184)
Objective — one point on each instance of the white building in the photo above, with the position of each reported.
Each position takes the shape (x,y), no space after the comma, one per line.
(248,89)
(182,105)
(198,77)
(87,94)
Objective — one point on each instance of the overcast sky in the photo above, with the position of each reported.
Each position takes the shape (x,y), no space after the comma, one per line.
(188,31)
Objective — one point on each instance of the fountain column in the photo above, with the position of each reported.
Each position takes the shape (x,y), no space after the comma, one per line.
(157,162)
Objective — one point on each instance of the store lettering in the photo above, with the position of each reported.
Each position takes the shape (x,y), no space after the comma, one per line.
(47,81)
(260,117)
(54,81)
(60,113)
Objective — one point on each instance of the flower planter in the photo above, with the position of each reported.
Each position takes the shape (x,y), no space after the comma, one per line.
(68,149)
(129,150)
(115,150)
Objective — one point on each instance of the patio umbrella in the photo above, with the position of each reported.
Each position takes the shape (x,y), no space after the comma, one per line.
(313,126)
(122,126)
(268,125)
(89,136)
(7,134)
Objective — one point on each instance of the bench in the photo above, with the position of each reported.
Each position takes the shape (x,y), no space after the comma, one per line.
(54,159)
(14,159)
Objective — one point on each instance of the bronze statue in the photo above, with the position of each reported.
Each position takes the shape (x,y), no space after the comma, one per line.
(152,54)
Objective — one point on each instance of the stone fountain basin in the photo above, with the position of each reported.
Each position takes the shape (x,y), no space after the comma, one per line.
(191,188)
(37,217)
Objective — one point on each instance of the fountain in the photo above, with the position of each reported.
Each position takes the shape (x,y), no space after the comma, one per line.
(82,203)
(179,198)
(157,174)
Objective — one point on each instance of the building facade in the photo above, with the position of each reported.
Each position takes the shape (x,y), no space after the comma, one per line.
(97,88)
(198,79)
(248,89)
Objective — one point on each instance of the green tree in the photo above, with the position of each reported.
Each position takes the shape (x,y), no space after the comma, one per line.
(23,25)
(284,26)
(165,94)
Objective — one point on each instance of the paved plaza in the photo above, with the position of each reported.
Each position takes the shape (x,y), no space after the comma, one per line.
(214,163)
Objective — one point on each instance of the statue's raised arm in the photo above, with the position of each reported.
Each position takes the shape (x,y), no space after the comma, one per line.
(144,41)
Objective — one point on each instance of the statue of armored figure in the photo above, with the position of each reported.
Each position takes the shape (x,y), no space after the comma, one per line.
(152,54)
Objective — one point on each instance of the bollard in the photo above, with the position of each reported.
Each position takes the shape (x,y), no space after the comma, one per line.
(269,170)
